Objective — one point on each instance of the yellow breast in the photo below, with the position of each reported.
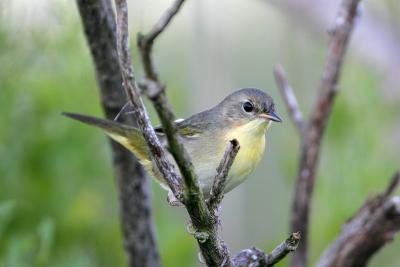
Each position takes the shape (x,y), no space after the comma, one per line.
(251,137)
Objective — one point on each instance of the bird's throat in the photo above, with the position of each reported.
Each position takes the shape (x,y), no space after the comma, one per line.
(251,137)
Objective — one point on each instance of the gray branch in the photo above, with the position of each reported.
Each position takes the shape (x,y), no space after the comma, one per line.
(290,99)
(217,189)
(193,198)
(311,141)
(374,225)
(132,91)
(255,257)
(145,42)
(133,186)
(289,245)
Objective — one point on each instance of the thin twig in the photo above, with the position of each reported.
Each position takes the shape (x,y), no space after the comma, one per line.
(145,42)
(217,189)
(129,83)
(256,257)
(287,246)
(373,225)
(290,99)
(163,21)
(311,141)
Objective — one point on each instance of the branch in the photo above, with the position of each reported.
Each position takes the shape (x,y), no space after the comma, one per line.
(290,99)
(255,257)
(212,247)
(129,83)
(145,42)
(193,197)
(374,225)
(133,186)
(217,189)
(311,141)
(283,249)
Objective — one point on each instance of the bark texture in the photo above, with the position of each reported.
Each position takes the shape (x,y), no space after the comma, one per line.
(133,186)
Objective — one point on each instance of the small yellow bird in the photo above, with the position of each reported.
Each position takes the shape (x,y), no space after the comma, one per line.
(244,115)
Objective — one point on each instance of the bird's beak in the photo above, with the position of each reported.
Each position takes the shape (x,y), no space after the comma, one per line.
(271,116)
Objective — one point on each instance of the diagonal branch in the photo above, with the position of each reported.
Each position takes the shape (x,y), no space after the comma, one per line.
(129,83)
(311,141)
(217,189)
(194,199)
(145,42)
(374,225)
(164,111)
(290,99)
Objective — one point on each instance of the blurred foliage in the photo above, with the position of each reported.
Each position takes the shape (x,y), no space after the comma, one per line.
(58,203)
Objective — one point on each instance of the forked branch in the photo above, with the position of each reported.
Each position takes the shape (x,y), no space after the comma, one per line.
(313,134)
(203,218)
(212,247)
(132,91)
(145,42)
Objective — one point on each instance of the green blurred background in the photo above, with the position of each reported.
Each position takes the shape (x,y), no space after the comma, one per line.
(58,202)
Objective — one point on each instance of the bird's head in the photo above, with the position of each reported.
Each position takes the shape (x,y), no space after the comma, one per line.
(248,105)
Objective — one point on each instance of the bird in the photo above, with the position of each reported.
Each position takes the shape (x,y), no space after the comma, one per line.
(244,115)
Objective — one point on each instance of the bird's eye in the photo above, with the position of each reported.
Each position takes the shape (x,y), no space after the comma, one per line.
(248,106)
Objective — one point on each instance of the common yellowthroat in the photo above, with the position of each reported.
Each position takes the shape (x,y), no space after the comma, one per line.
(244,115)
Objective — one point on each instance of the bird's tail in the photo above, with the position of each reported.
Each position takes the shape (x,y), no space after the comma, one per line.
(128,136)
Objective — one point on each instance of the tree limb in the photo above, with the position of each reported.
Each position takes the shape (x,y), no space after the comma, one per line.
(290,99)
(133,186)
(193,197)
(311,141)
(129,83)
(370,229)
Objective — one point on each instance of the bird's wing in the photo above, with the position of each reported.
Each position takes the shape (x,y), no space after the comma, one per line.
(186,128)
